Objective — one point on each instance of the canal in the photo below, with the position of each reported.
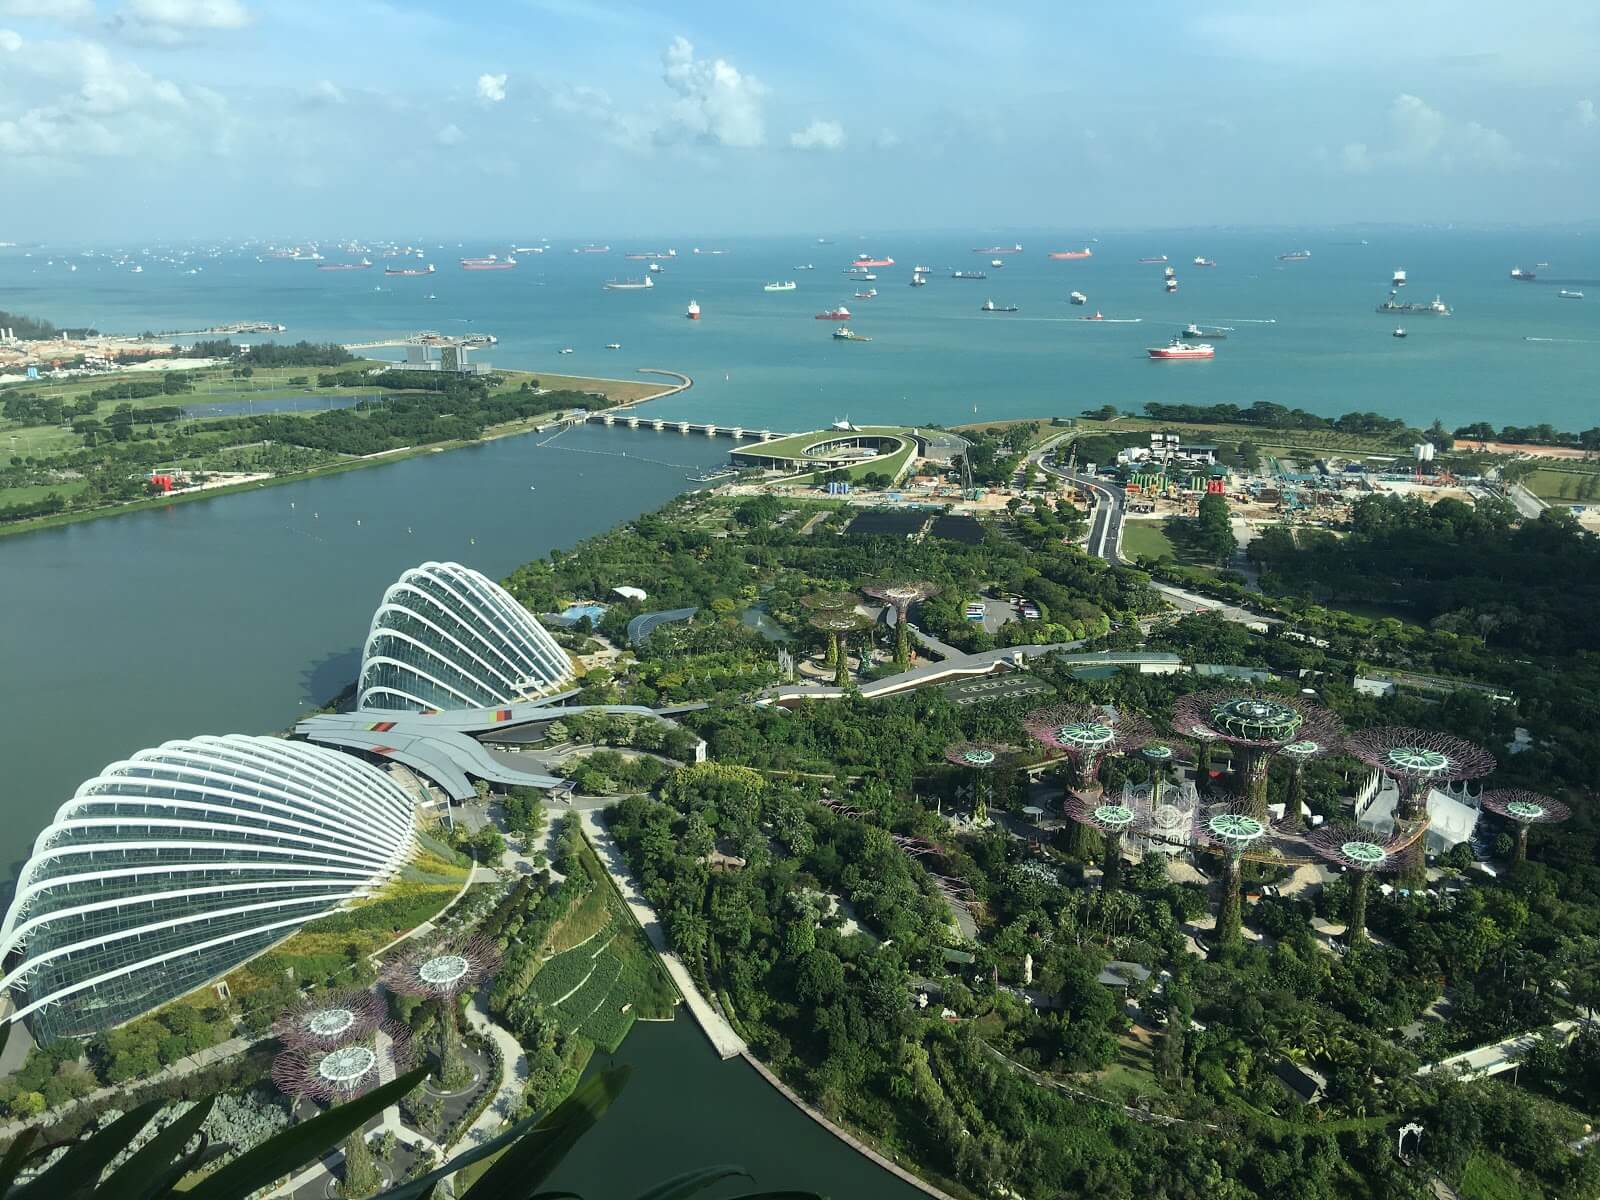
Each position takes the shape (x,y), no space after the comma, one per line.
(238,614)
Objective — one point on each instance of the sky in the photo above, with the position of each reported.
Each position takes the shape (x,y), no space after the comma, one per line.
(206,118)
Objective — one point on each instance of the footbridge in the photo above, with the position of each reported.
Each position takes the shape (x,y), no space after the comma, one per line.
(634,420)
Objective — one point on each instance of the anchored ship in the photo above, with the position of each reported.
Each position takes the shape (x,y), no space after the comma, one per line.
(1524,276)
(629,285)
(866,260)
(355,266)
(968,275)
(1194,332)
(1201,261)
(841,313)
(845,334)
(1399,279)
(786,286)
(1155,258)
(1065,254)
(1077,298)
(1176,349)
(693,311)
(991,306)
(1295,256)
(492,263)
(1014,249)
(1433,308)
(428,270)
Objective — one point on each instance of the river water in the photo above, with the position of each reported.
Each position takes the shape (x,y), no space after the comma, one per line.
(239,613)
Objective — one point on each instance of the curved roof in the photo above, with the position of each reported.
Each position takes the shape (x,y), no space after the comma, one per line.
(172,867)
(446,637)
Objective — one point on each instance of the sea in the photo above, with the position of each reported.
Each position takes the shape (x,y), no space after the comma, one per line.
(1304,334)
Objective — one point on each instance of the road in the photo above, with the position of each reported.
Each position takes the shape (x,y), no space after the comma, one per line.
(1105,529)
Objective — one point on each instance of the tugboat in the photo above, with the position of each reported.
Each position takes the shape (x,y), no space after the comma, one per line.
(1077,298)
(613,345)
(919,280)
(1192,331)
(1399,333)
(845,334)
(991,306)
(1175,349)
(1098,316)
(1172,284)
(1399,279)
(1202,261)
(995,262)
(1566,295)
(1524,276)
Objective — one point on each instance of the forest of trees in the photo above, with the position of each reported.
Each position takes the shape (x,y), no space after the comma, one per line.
(1276,416)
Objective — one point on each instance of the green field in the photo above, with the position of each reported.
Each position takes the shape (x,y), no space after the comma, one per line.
(1564,485)
(1487,1176)
(1144,539)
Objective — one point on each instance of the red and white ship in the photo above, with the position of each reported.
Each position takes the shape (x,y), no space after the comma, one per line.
(693,311)
(1098,316)
(1084,253)
(355,266)
(493,263)
(834,314)
(427,270)
(1013,249)
(1178,349)
(866,260)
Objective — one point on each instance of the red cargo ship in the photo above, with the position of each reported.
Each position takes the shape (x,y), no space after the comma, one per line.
(834,314)
(1084,253)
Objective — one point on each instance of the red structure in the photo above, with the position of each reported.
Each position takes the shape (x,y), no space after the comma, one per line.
(161,483)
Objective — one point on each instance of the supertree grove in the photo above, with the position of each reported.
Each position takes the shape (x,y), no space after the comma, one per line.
(1236,836)
(818,603)
(1087,734)
(902,595)
(1113,821)
(839,624)
(982,759)
(444,972)
(1364,855)
(1256,726)
(326,1022)
(1297,754)
(340,1072)
(1525,809)
(1417,760)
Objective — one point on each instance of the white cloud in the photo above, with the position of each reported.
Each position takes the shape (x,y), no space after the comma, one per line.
(491,88)
(10,41)
(68,12)
(324,91)
(173,22)
(819,135)
(1420,137)
(887,139)
(1583,112)
(450,135)
(715,101)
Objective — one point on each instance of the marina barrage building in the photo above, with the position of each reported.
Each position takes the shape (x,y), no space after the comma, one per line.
(447,637)
(173,867)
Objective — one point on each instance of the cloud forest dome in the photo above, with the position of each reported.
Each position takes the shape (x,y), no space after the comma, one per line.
(447,637)
(176,865)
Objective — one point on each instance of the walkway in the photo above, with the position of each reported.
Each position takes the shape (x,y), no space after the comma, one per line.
(723,1039)
(513,1076)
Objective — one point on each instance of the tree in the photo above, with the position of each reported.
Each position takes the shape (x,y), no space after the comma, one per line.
(488,846)
(1214,534)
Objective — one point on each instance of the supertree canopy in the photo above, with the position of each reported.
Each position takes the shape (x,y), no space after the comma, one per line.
(1113,821)
(902,594)
(1256,726)
(1417,759)
(1297,754)
(444,971)
(839,624)
(1525,808)
(1087,734)
(328,1021)
(1359,851)
(1236,836)
(982,759)
(335,1074)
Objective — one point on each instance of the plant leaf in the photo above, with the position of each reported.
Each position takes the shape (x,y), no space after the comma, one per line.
(527,1164)
(690,1182)
(422,1188)
(79,1168)
(12,1163)
(779,1196)
(143,1175)
(284,1153)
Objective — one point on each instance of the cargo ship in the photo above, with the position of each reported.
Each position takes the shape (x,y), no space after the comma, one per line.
(846,334)
(918,279)
(1077,298)
(591,248)
(516,250)
(1563,294)
(1155,258)
(922,270)
(693,311)
(1524,276)
(867,295)
(427,270)
(787,285)
(1068,254)
(1433,308)
(866,260)
(651,254)
(629,285)
(491,263)
(1176,349)
(1192,332)
(697,250)
(991,306)
(968,275)
(840,313)
(1295,256)
(355,266)
(1013,249)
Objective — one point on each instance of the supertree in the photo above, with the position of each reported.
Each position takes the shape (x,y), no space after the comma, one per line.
(444,972)
(1236,836)
(1417,759)
(902,594)
(1256,726)
(1162,757)
(1297,754)
(1112,820)
(1525,808)
(839,624)
(982,759)
(339,1073)
(1366,855)
(327,1022)
(818,603)
(1087,734)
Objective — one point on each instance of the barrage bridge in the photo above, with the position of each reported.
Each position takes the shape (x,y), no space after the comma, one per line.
(633,420)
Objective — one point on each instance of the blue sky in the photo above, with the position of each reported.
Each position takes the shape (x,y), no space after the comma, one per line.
(145,118)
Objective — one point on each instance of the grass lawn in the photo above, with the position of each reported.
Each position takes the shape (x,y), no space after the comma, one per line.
(1560,485)
(1487,1176)
(38,491)
(1145,539)
(621,391)
(1263,439)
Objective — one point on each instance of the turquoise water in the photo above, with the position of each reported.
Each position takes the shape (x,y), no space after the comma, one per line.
(761,360)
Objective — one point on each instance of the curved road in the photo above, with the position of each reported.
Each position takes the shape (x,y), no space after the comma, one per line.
(1105,530)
